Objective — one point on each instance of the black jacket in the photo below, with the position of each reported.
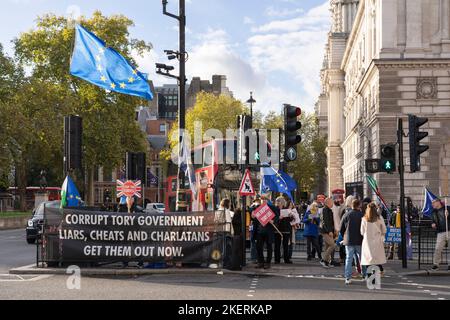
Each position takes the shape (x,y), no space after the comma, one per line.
(268,228)
(351,228)
(438,218)
(327,221)
(284,225)
(237,223)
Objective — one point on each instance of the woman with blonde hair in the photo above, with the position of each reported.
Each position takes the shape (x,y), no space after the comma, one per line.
(373,230)
(311,220)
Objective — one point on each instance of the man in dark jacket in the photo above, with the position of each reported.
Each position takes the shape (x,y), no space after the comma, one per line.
(284,226)
(265,235)
(441,223)
(351,231)
(327,231)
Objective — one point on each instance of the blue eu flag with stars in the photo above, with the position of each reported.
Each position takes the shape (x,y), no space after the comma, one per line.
(98,64)
(277,181)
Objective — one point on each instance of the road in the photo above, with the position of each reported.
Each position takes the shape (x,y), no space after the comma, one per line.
(14,252)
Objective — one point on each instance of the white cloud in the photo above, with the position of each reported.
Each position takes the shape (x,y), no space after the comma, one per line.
(316,18)
(146,64)
(248,20)
(294,47)
(215,55)
(278,12)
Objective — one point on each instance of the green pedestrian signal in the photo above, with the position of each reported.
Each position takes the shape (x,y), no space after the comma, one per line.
(388,158)
(257,156)
(387,165)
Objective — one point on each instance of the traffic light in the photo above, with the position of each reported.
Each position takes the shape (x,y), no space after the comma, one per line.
(73,131)
(291,126)
(136,166)
(387,158)
(415,148)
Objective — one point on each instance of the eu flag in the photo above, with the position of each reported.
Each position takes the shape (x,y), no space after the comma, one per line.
(98,64)
(427,209)
(70,197)
(277,181)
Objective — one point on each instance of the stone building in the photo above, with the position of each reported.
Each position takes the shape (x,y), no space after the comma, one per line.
(385,60)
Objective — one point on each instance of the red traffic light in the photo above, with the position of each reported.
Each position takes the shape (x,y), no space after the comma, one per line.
(292,111)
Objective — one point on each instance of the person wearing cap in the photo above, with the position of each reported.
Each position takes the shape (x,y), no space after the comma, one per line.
(441,223)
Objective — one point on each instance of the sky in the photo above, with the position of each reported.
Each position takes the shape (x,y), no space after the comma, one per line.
(274,48)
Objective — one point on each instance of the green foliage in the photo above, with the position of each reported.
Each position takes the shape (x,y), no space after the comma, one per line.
(32,108)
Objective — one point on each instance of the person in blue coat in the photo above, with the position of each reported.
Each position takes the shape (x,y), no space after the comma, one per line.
(311,233)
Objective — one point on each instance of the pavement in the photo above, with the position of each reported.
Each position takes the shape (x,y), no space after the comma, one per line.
(302,280)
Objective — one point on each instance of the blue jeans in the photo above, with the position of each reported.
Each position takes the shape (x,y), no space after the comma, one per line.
(350,252)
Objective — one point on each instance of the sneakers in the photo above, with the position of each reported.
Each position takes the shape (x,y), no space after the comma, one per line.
(435,267)
(348,281)
(213,266)
(260,266)
(324,264)
(335,264)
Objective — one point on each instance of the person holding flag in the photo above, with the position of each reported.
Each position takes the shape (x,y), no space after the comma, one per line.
(441,221)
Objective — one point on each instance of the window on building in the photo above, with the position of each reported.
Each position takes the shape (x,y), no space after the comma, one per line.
(162,128)
(107,175)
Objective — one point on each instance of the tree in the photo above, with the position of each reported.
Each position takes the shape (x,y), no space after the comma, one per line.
(109,129)
(212,112)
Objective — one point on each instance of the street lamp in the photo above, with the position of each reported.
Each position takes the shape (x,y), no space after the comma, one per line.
(251,101)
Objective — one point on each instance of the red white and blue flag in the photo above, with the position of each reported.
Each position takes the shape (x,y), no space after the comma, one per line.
(129,188)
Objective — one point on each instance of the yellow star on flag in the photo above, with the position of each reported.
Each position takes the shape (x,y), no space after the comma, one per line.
(99,68)
(122,85)
(130,79)
(113,85)
(103,78)
(97,57)
(135,72)
(101,50)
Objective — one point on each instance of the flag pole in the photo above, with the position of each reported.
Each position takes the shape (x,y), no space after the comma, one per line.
(446,223)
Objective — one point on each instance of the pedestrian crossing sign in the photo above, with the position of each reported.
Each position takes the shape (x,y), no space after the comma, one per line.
(246,188)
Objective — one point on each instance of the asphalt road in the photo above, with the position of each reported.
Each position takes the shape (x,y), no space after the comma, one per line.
(15,252)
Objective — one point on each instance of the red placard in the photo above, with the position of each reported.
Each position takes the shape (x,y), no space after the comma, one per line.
(264,214)
(129,188)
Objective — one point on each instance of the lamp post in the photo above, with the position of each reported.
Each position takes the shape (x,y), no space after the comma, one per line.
(251,101)
(181,55)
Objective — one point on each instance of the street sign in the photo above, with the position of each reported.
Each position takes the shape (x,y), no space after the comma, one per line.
(129,188)
(264,214)
(373,165)
(246,188)
(291,154)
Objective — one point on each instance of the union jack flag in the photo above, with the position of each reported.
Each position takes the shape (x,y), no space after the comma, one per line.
(129,188)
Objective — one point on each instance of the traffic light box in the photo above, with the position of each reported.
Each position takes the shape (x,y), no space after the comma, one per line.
(291,126)
(415,148)
(387,161)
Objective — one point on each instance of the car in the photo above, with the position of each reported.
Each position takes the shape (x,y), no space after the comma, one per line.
(34,224)
(155,208)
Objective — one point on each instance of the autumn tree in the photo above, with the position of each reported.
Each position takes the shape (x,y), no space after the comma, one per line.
(109,129)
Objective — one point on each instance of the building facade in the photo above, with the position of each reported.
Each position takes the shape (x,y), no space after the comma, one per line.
(385,60)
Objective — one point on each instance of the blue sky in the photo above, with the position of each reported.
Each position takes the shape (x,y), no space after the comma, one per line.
(271,47)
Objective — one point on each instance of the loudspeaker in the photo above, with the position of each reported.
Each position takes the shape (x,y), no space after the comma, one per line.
(73,131)
(136,166)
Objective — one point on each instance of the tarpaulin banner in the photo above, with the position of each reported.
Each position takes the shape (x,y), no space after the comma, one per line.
(99,236)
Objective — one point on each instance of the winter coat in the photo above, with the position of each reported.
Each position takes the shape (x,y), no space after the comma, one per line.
(311,225)
(284,225)
(338,213)
(268,228)
(351,228)
(372,251)
(438,218)
(327,223)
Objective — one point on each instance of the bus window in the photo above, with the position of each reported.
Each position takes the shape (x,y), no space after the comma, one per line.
(230,151)
(197,158)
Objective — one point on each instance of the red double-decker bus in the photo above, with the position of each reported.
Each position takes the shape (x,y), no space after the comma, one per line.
(217,174)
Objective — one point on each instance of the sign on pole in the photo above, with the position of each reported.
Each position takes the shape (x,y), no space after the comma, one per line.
(246,188)
(264,214)
(129,188)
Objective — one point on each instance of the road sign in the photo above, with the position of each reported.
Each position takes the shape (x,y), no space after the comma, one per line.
(373,165)
(291,154)
(129,188)
(264,214)
(246,188)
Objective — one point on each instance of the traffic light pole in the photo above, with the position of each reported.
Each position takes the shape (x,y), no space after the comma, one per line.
(181,204)
(401,169)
